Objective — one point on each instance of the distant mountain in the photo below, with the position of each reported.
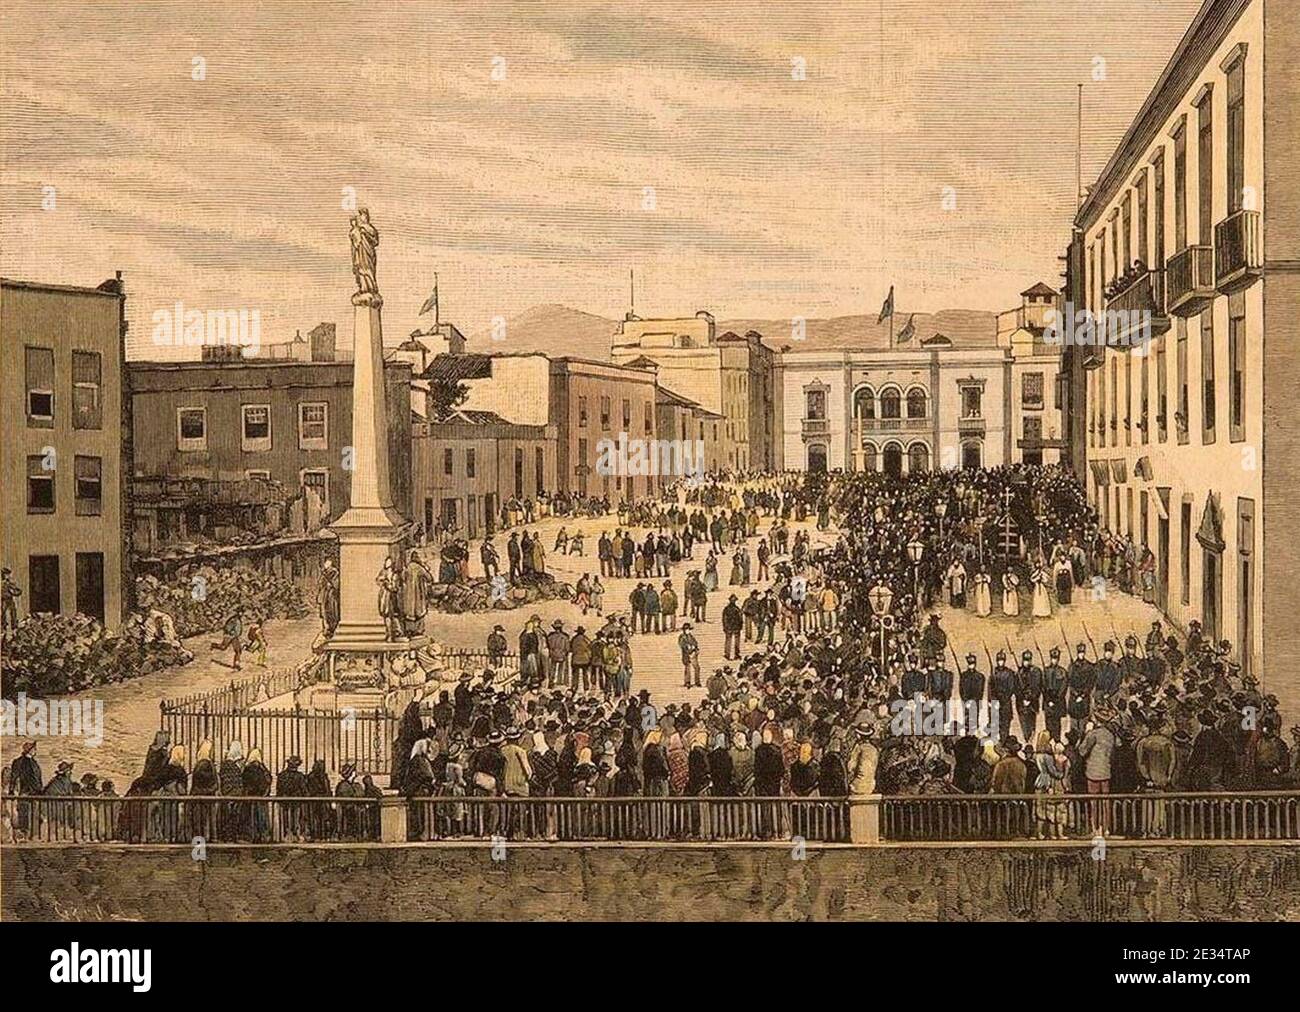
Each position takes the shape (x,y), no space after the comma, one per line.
(554,329)
(560,330)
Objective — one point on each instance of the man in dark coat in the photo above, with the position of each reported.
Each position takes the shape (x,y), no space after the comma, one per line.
(970,687)
(1212,765)
(25,778)
(1055,684)
(1002,690)
(1029,694)
(769,768)
(1082,678)
(291,783)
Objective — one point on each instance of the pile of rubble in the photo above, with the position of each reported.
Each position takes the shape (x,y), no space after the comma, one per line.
(485,595)
(201,598)
(57,654)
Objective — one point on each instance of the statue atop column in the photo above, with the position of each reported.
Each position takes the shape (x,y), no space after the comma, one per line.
(365,239)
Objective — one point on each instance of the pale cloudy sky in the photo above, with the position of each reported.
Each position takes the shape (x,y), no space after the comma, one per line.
(773,197)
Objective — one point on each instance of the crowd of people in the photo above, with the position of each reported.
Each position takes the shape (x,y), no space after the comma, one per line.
(834,668)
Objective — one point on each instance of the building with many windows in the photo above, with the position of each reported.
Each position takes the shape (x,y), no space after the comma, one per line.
(1187,252)
(67,447)
(727,374)
(225,423)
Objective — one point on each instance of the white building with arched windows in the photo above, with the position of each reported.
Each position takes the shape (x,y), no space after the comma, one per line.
(915,408)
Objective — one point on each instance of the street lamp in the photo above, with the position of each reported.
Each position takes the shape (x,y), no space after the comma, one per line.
(941,510)
(915,550)
(881,599)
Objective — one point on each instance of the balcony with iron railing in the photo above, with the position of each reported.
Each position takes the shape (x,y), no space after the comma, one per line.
(971,425)
(816,427)
(1189,279)
(879,426)
(1238,251)
(1135,307)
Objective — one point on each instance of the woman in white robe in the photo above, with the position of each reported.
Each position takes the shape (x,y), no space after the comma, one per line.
(1010,594)
(983,594)
(1042,581)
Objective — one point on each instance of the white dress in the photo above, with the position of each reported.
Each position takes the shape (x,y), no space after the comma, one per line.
(983,595)
(1010,594)
(1042,595)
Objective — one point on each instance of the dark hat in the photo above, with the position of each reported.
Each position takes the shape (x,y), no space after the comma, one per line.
(293,761)
(1011,743)
(557,624)
(1027,656)
(64,767)
(1054,652)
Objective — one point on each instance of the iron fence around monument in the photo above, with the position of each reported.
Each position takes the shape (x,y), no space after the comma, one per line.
(240,712)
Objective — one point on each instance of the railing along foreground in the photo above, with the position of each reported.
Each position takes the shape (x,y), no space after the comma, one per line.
(1259,815)
(671,819)
(1272,815)
(176,819)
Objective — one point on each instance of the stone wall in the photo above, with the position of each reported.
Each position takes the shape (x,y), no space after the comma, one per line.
(754,882)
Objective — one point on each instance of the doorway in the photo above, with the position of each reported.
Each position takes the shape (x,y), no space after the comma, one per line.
(817,458)
(893,460)
(90,584)
(43,584)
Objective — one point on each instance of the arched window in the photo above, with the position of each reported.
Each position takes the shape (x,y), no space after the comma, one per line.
(916,403)
(918,457)
(864,403)
(869,458)
(893,460)
(890,404)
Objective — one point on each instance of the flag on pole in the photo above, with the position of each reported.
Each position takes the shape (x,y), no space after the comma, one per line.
(887,310)
(908,332)
(432,301)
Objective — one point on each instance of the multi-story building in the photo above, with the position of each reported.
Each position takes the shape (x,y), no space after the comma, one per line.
(1190,241)
(729,375)
(692,425)
(598,407)
(902,410)
(67,447)
(1038,395)
(466,463)
(283,421)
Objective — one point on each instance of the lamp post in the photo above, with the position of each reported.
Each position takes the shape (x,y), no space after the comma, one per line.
(915,550)
(941,510)
(881,599)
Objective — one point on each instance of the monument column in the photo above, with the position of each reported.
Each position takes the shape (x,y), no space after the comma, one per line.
(371,531)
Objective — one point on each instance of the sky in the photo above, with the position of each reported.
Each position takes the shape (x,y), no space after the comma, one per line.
(757,159)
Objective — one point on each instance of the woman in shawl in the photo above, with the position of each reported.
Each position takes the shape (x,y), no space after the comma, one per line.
(255,782)
(232,825)
(165,825)
(711,572)
(417,784)
(204,783)
(678,766)
(1049,781)
(409,731)
(320,814)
